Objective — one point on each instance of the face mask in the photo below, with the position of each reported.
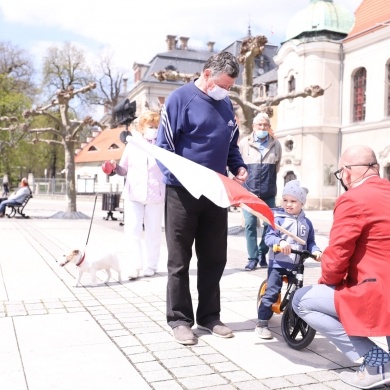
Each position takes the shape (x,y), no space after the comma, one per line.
(150,133)
(217,93)
(260,134)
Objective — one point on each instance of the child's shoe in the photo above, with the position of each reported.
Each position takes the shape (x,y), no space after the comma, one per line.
(262,330)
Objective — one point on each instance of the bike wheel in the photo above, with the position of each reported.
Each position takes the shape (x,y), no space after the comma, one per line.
(261,293)
(295,331)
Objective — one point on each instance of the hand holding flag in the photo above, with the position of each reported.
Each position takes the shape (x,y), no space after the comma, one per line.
(199,180)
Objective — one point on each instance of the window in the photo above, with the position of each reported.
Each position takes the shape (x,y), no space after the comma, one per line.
(291,84)
(359,95)
(289,145)
(290,175)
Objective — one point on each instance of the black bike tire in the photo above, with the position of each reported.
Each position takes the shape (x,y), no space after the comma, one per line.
(260,293)
(289,334)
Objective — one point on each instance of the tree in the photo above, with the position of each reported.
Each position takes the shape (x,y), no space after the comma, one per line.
(67,130)
(16,92)
(109,85)
(67,79)
(16,64)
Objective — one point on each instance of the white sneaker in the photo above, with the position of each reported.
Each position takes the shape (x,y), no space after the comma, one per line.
(263,332)
(133,274)
(149,272)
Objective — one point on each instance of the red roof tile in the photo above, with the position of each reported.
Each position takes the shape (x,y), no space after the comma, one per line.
(105,146)
(370,15)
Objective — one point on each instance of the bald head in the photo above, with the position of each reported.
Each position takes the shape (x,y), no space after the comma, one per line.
(356,163)
(358,154)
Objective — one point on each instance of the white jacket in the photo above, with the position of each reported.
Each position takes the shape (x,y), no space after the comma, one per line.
(144,180)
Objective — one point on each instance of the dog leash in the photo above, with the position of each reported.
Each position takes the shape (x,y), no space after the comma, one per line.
(90,225)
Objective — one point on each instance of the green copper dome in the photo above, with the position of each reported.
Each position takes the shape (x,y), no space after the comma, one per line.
(321,18)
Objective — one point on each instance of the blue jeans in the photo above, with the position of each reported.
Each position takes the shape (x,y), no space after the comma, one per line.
(254,249)
(4,204)
(315,305)
(274,286)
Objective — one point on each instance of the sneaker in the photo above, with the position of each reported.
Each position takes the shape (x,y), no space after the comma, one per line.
(133,274)
(252,264)
(183,334)
(367,377)
(263,262)
(217,328)
(263,332)
(149,272)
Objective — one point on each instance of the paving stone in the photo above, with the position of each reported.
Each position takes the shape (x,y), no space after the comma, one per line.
(237,376)
(167,385)
(204,381)
(188,371)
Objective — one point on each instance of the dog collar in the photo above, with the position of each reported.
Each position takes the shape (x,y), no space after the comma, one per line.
(81,260)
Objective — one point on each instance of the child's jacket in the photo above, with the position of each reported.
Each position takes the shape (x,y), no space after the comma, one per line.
(300,226)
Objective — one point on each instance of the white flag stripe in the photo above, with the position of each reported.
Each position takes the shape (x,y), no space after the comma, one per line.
(197,179)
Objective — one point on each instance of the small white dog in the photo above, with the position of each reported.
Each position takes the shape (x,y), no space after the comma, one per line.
(92,261)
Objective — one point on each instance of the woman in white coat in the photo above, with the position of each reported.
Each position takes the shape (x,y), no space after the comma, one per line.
(143,195)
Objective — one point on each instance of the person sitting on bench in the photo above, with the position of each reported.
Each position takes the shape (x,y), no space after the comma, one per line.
(17,198)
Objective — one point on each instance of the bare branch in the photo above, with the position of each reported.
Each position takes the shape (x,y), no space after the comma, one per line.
(312,91)
(173,75)
(45,130)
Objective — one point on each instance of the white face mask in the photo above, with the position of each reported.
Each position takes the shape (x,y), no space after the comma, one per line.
(150,133)
(260,134)
(217,93)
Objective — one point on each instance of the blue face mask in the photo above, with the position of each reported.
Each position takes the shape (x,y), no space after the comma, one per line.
(260,134)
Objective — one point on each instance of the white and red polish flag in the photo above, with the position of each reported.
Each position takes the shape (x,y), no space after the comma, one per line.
(199,180)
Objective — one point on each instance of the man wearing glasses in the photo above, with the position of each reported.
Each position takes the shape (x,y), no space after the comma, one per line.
(262,154)
(351,302)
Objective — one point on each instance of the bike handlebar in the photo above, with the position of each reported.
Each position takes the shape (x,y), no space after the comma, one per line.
(277,248)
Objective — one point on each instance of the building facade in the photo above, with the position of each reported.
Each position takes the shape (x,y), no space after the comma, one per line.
(349,57)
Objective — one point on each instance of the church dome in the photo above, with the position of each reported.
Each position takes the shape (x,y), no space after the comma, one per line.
(321,18)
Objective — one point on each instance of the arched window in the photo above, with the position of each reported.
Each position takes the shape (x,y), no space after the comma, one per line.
(289,176)
(359,95)
(291,84)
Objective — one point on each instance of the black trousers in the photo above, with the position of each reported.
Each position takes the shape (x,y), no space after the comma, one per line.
(189,220)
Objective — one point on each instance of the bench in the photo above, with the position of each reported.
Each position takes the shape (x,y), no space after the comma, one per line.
(17,208)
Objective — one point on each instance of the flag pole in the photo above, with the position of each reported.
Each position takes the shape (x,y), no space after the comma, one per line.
(282,229)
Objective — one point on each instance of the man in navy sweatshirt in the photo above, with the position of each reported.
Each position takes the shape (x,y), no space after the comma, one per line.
(198,123)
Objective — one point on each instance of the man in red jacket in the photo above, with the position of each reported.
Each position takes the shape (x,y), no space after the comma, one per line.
(351,302)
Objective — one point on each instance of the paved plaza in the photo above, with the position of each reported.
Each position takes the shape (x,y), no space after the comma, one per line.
(114,336)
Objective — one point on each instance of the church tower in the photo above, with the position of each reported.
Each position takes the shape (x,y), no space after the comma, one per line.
(309,128)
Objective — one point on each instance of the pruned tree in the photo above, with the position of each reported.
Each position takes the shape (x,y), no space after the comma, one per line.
(67,130)
(65,69)
(242,95)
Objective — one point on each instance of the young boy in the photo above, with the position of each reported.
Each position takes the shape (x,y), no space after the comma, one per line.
(293,219)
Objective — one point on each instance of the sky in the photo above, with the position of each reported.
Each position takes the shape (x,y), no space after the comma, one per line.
(134,31)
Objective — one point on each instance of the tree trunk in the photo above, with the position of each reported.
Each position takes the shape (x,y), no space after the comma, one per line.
(70,177)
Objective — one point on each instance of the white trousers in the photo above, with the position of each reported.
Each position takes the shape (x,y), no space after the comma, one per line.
(137,214)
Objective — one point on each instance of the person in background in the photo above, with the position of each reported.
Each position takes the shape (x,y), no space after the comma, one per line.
(293,219)
(5,186)
(262,153)
(17,197)
(198,123)
(143,195)
(350,305)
